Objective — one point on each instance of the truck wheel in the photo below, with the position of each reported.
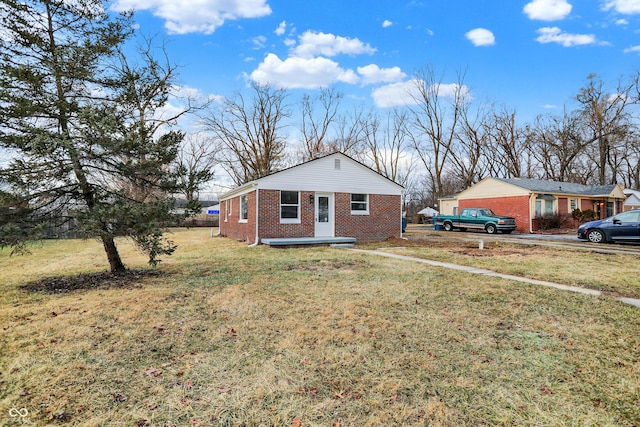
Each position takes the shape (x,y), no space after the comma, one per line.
(447,226)
(491,229)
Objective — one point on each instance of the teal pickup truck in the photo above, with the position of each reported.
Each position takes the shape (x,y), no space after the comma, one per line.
(477,219)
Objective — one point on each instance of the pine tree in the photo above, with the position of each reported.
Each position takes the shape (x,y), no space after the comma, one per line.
(78,119)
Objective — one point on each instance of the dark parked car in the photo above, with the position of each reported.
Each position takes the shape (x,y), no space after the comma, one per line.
(624,227)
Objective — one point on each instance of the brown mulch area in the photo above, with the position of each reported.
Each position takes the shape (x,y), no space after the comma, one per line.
(462,247)
(104,280)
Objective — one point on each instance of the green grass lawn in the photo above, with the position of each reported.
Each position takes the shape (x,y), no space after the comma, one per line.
(235,336)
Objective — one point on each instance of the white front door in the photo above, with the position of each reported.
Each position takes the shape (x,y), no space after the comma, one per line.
(324,215)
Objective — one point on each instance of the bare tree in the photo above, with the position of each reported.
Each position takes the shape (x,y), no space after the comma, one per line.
(606,122)
(508,148)
(471,154)
(558,146)
(194,165)
(387,143)
(435,117)
(317,121)
(250,132)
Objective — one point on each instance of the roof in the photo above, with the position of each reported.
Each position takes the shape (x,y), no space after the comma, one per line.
(556,187)
(428,211)
(310,167)
(633,197)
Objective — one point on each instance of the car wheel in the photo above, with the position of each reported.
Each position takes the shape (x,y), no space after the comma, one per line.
(447,226)
(491,229)
(596,236)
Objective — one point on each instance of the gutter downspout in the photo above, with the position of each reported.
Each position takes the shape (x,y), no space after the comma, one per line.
(531,200)
(257,240)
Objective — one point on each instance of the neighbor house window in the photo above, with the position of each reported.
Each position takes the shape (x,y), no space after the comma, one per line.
(544,207)
(244,208)
(573,205)
(289,207)
(359,204)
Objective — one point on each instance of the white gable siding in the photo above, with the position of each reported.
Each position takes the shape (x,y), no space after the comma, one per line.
(489,188)
(324,175)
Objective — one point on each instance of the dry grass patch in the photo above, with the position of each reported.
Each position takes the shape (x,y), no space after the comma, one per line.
(239,336)
(615,274)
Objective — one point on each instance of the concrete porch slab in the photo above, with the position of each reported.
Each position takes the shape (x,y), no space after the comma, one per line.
(295,241)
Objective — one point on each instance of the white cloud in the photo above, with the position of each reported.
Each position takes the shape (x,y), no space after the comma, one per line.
(203,16)
(555,35)
(450,90)
(481,37)
(627,7)
(408,93)
(547,10)
(282,28)
(396,94)
(622,21)
(313,44)
(305,73)
(387,23)
(633,49)
(259,42)
(373,74)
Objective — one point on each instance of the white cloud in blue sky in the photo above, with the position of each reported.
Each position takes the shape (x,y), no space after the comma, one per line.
(556,35)
(627,7)
(301,73)
(219,44)
(317,43)
(204,16)
(548,10)
(481,37)
(372,74)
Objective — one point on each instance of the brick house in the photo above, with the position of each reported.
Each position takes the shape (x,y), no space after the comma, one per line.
(528,199)
(332,196)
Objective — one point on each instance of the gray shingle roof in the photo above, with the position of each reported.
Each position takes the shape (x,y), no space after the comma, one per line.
(555,187)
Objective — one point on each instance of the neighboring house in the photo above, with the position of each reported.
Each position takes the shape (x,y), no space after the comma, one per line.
(332,196)
(633,199)
(527,199)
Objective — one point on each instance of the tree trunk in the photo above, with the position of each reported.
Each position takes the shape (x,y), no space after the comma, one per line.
(112,254)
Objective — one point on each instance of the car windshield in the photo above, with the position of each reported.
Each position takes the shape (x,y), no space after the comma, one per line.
(487,212)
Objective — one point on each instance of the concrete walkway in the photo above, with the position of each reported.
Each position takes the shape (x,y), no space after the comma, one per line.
(474,270)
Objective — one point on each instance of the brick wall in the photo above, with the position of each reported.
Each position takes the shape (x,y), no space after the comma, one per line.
(270,216)
(232,227)
(383,221)
(514,206)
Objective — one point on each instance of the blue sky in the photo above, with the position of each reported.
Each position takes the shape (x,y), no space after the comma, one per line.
(531,56)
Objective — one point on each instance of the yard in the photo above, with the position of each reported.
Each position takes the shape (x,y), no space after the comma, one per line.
(226,335)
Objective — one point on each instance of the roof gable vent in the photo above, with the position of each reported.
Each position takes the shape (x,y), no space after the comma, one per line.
(336,164)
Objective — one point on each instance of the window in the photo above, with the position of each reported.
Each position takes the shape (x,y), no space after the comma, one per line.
(626,217)
(573,205)
(244,208)
(289,207)
(359,204)
(544,207)
(610,209)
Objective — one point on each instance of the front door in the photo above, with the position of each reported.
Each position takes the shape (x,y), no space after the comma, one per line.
(324,215)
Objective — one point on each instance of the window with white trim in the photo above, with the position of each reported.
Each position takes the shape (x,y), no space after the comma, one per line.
(359,204)
(573,205)
(244,208)
(289,207)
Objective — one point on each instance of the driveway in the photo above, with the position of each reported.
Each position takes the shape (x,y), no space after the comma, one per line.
(568,240)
